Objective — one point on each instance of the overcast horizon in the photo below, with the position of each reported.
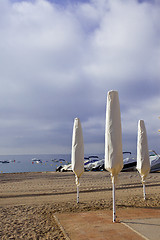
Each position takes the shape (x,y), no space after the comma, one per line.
(58,61)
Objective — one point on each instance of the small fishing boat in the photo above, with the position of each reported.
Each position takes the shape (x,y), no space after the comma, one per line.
(4,161)
(35,160)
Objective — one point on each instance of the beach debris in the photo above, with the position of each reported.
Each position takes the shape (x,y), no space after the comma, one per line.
(77,157)
(113,141)
(143,161)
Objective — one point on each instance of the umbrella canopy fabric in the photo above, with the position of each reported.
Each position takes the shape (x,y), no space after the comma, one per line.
(77,149)
(113,135)
(143,162)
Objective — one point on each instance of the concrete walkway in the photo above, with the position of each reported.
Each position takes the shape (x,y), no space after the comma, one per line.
(132,224)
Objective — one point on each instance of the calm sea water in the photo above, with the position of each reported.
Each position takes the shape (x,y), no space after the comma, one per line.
(25,163)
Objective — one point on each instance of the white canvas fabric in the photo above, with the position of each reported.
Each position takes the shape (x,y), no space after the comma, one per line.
(113,135)
(77,149)
(143,162)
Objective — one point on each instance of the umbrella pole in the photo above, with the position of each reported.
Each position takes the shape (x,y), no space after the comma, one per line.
(144,191)
(113,194)
(77,194)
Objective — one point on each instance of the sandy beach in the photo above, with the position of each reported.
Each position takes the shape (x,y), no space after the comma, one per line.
(28,201)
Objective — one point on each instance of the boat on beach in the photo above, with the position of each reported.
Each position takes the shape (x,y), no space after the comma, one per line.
(129,162)
(90,162)
(93,163)
(64,168)
(154,161)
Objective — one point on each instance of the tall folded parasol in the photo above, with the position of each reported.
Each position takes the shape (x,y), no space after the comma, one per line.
(113,141)
(77,152)
(143,162)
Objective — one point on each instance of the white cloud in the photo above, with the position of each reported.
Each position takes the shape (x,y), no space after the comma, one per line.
(58,62)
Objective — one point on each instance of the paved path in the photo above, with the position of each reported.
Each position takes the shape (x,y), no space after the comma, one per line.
(132,224)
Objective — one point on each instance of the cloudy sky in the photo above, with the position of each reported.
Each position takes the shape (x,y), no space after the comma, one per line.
(58,60)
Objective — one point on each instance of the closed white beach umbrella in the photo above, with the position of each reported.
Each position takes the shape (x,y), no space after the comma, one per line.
(113,141)
(77,158)
(143,162)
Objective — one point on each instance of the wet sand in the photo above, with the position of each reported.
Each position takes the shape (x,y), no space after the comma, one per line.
(28,201)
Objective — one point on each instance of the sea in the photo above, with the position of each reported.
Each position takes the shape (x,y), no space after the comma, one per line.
(34,162)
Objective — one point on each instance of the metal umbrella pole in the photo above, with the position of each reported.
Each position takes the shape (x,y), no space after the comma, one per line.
(114,204)
(144,191)
(77,194)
